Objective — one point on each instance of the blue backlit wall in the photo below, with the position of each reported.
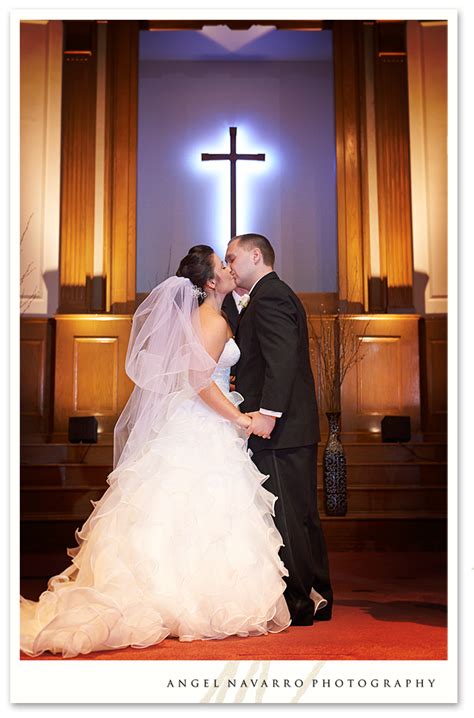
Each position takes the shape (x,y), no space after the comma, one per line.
(284,109)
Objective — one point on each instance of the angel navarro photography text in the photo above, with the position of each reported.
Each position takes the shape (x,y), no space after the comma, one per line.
(301,683)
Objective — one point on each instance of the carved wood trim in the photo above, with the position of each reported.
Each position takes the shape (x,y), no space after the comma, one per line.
(434,373)
(120,165)
(78,138)
(350,159)
(36,370)
(393,164)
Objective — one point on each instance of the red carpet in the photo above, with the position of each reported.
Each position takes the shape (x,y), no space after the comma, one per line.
(387,607)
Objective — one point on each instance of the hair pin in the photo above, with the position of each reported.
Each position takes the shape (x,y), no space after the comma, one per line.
(200,293)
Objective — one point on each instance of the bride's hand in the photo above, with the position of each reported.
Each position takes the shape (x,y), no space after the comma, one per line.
(245,422)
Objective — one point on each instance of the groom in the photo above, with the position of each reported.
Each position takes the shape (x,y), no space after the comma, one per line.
(274,375)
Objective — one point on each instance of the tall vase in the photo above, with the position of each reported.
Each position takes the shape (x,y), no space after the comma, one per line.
(334,469)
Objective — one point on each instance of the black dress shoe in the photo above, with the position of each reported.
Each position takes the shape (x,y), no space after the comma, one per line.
(325,614)
(302,615)
(302,621)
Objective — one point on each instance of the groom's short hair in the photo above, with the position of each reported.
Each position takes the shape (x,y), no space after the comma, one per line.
(258,240)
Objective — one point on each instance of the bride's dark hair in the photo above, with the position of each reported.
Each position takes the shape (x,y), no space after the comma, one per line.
(197,266)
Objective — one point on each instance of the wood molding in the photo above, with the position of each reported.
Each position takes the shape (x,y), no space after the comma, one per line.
(78,139)
(319,302)
(120,165)
(434,373)
(350,159)
(393,164)
(90,376)
(36,369)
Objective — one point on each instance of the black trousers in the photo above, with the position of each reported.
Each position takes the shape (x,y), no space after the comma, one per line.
(293,479)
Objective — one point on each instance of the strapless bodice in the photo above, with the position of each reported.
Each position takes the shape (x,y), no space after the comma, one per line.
(229,357)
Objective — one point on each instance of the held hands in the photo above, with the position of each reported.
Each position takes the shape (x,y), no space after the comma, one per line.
(256,423)
(244,421)
(262,424)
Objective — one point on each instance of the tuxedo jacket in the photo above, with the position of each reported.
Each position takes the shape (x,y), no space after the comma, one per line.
(232,313)
(274,370)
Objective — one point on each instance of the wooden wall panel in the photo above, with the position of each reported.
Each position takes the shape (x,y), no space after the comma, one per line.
(314,349)
(76,265)
(32,366)
(386,381)
(353,240)
(438,363)
(90,369)
(382,359)
(434,373)
(121,165)
(40,65)
(95,373)
(36,338)
(393,164)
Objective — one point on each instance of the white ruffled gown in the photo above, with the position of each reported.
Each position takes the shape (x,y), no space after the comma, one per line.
(181,544)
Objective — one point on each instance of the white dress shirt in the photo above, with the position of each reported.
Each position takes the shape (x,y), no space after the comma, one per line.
(238,300)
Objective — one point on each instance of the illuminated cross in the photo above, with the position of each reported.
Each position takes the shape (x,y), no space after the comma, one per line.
(233,157)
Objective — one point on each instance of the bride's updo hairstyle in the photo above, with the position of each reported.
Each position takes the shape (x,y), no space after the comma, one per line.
(198,266)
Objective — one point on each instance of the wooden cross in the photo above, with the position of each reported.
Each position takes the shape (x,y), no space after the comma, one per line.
(233,157)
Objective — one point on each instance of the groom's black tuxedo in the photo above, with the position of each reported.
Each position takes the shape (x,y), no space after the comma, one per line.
(274,373)
(274,370)
(232,313)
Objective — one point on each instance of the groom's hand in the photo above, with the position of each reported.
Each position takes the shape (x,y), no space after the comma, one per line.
(262,424)
(244,421)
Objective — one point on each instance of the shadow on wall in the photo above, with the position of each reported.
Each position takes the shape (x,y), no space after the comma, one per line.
(420,282)
(398,299)
(87,298)
(51,280)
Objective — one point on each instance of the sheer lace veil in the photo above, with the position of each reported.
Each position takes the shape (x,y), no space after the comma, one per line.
(166,360)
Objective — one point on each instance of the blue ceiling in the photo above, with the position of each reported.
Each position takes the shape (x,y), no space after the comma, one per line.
(221,44)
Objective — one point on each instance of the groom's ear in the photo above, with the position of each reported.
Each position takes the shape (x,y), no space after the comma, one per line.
(257,255)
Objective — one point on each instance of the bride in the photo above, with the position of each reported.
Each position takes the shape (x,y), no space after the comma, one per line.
(183,541)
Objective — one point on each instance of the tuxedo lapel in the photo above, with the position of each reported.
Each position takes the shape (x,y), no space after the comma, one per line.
(239,320)
(261,282)
(243,310)
(254,293)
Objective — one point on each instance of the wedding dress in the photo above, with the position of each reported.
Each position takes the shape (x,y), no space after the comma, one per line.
(181,544)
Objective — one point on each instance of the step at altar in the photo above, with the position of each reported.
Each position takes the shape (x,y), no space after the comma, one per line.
(75,501)
(417,473)
(397,496)
(356,451)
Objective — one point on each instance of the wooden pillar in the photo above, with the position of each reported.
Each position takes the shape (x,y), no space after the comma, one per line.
(393,164)
(77,166)
(353,240)
(120,165)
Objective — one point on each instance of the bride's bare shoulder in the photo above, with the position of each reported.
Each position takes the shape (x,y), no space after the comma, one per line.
(213,324)
(214,332)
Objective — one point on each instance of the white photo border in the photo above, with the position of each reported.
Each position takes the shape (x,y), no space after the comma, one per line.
(124,682)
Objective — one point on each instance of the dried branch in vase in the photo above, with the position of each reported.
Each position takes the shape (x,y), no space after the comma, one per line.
(339,350)
(25,301)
